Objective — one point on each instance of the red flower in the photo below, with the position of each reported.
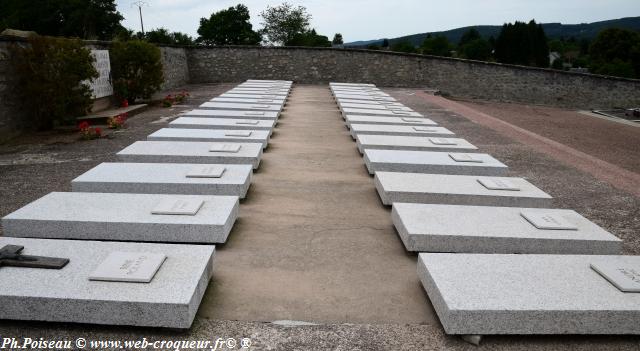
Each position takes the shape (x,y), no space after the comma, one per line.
(125,103)
(98,131)
(83,125)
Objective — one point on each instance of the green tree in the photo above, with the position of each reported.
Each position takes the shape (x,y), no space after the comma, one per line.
(162,36)
(437,46)
(310,38)
(86,19)
(616,52)
(337,39)
(522,44)
(470,35)
(373,47)
(136,69)
(385,43)
(281,23)
(228,27)
(472,46)
(52,75)
(403,46)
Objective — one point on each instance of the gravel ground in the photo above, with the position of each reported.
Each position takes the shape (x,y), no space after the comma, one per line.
(30,170)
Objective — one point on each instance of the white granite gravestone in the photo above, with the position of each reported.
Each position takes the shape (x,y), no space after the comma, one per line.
(431,162)
(251,101)
(281,93)
(236,114)
(166,178)
(384,113)
(123,217)
(483,294)
(400,130)
(363,97)
(485,229)
(416,143)
(406,121)
(252,96)
(192,152)
(335,84)
(223,123)
(277,81)
(344,106)
(369,102)
(457,190)
(214,135)
(242,107)
(170,299)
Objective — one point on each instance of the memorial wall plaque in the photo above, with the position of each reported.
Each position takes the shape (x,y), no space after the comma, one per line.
(178,206)
(206,171)
(130,267)
(547,220)
(230,148)
(624,277)
(101,86)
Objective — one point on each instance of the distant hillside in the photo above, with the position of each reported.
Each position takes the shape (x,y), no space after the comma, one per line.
(553,30)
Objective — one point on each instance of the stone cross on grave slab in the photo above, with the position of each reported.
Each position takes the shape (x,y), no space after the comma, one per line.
(10,256)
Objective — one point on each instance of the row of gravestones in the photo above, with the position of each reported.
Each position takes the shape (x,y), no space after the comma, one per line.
(494,256)
(121,248)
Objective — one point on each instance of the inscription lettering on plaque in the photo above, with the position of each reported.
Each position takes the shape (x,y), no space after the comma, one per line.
(442,141)
(413,120)
(255,113)
(547,220)
(229,148)
(130,267)
(239,133)
(497,184)
(178,206)
(101,86)
(460,157)
(249,121)
(206,171)
(424,129)
(622,276)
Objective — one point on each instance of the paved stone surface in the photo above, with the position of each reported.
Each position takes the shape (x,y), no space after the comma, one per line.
(170,300)
(528,294)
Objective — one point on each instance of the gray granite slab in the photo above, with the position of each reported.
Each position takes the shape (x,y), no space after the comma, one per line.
(163,178)
(485,294)
(237,114)
(252,96)
(170,300)
(363,97)
(243,107)
(214,135)
(257,85)
(406,121)
(277,92)
(121,217)
(351,84)
(396,129)
(190,152)
(252,101)
(385,113)
(415,143)
(431,162)
(456,190)
(279,81)
(223,123)
(344,106)
(369,102)
(486,229)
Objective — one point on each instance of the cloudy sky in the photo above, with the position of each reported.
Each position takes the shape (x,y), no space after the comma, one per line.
(373,19)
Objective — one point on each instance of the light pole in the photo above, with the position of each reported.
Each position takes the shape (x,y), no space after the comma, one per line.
(139,4)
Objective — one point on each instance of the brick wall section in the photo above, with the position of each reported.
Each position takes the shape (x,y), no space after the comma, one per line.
(457,77)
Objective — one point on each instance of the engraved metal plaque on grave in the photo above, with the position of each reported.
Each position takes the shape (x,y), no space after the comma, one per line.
(547,220)
(239,133)
(177,206)
(462,157)
(497,184)
(229,148)
(206,171)
(624,277)
(129,267)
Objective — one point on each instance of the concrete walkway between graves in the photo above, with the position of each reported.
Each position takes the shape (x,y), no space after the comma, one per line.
(313,242)
(618,177)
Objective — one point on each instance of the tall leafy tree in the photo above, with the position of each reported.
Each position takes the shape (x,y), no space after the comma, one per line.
(228,27)
(522,44)
(163,36)
(337,39)
(470,35)
(86,19)
(473,46)
(437,46)
(281,23)
(309,38)
(403,46)
(616,52)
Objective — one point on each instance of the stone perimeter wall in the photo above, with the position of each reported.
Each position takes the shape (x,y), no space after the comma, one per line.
(461,78)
